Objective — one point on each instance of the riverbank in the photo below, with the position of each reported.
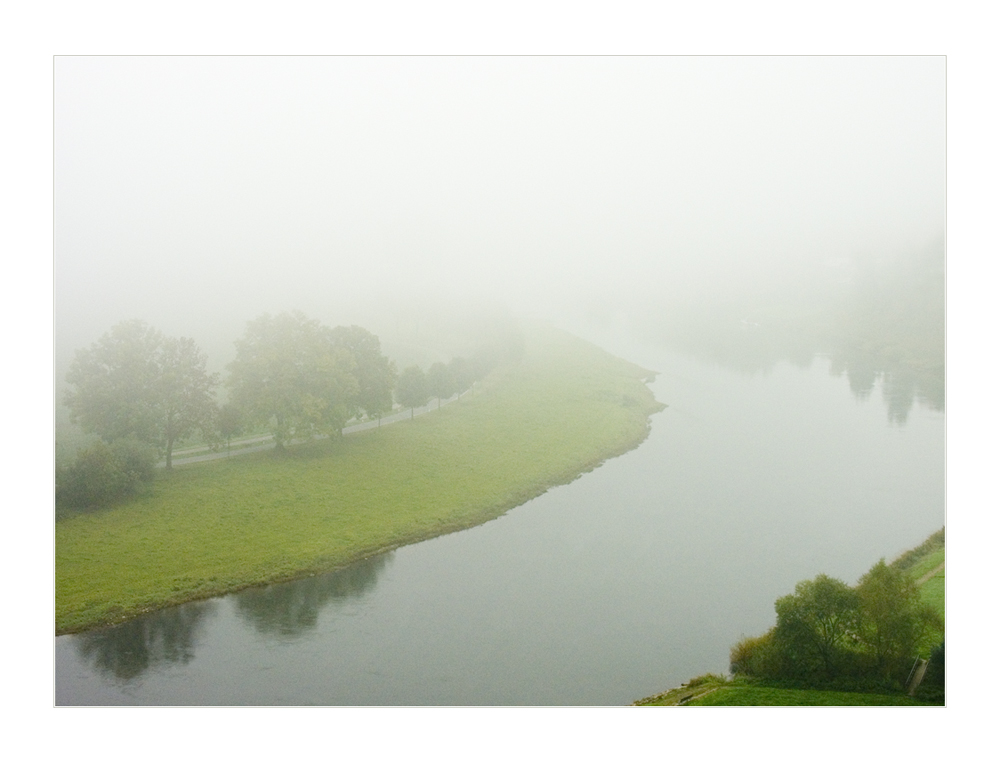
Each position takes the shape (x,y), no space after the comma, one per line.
(925,564)
(217,527)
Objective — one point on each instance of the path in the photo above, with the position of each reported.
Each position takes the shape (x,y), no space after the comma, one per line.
(928,576)
(267,441)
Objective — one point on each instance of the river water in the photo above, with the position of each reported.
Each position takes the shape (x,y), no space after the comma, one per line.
(634,578)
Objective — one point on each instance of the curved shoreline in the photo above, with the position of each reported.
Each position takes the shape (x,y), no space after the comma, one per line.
(590,382)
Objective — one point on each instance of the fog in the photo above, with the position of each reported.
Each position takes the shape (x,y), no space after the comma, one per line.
(198,192)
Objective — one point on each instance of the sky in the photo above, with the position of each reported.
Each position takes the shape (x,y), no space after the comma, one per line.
(197,192)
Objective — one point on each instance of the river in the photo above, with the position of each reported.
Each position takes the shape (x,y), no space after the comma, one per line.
(634,578)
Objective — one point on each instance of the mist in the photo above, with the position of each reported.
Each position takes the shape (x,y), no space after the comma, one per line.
(197,192)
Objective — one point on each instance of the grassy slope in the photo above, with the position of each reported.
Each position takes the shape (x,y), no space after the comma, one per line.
(714,690)
(219,526)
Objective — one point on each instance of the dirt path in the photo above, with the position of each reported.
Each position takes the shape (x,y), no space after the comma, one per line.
(928,576)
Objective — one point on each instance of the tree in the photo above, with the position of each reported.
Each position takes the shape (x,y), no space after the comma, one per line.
(893,620)
(115,384)
(375,374)
(411,388)
(816,625)
(229,423)
(289,374)
(184,392)
(440,382)
(462,372)
(136,383)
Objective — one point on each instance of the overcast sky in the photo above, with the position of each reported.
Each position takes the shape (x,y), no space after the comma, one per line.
(199,192)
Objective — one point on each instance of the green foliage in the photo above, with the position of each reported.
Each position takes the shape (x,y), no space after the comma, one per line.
(411,388)
(912,557)
(184,392)
(218,526)
(893,619)
(704,679)
(756,656)
(815,627)
(104,474)
(932,686)
(293,375)
(114,384)
(229,422)
(440,382)
(375,373)
(829,634)
(463,373)
(136,383)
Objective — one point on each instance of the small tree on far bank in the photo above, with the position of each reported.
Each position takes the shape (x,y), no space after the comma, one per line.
(229,423)
(411,388)
(440,382)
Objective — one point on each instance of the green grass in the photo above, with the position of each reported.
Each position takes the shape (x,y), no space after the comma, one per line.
(773,696)
(219,526)
(715,690)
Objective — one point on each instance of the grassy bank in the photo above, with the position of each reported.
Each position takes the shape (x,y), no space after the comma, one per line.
(922,563)
(216,527)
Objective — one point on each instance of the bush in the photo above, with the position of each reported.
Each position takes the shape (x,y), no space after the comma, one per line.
(932,686)
(104,474)
(756,657)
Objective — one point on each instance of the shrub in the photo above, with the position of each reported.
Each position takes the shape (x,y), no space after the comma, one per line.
(103,474)
(756,657)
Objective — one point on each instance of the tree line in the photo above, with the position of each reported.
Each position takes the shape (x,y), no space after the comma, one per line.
(142,393)
(830,633)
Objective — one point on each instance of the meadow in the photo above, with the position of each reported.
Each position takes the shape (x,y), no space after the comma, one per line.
(210,528)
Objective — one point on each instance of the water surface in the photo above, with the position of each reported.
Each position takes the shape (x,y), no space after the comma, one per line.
(632,579)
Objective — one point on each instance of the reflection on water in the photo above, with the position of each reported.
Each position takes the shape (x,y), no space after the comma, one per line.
(881,323)
(291,609)
(124,652)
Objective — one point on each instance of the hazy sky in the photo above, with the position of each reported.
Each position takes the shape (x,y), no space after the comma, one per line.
(199,192)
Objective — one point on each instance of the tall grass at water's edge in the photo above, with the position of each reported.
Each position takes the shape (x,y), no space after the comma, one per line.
(220,526)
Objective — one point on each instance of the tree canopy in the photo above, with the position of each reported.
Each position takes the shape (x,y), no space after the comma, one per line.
(291,375)
(135,383)
(411,388)
(828,630)
(375,374)
(440,381)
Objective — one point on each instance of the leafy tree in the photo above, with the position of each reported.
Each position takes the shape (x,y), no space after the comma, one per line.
(462,373)
(816,625)
(136,383)
(229,422)
(290,375)
(375,374)
(411,388)
(114,383)
(440,382)
(186,401)
(893,620)
(103,474)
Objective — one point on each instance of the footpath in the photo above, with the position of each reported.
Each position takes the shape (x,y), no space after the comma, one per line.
(264,442)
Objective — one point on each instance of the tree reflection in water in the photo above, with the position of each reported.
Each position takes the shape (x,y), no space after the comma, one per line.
(291,609)
(885,323)
(124,652)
